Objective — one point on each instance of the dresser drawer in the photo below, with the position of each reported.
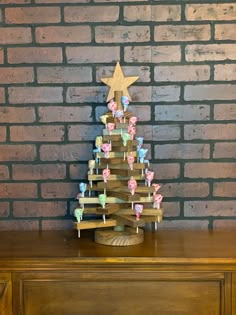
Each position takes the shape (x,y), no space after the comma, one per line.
(119,292)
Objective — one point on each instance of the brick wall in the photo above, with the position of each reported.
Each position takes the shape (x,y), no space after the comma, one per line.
(52,54)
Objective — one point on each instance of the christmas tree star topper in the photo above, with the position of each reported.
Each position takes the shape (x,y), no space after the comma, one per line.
(118,82)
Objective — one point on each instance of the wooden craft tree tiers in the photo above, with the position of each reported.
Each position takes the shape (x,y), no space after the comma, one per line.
(116,223)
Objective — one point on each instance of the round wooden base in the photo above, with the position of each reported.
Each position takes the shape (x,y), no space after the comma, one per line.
(119,238)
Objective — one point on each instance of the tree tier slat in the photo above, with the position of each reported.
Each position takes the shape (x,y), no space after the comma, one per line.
(98,177)
(117,140)
(122,148)
(126,173)
(125,196)
(127,114)
(109,209)
(110,184)
(149,219)
(93,224)
(145,212)
(120,165)
(121,187)
(129,220)
(112,138)
(105,132)
(95,200)
(100,155)
(125,208)
(112,161)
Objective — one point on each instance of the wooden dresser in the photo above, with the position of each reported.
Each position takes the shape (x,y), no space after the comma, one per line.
(172,272)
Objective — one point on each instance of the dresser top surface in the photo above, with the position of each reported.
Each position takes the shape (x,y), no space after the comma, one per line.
(160,246)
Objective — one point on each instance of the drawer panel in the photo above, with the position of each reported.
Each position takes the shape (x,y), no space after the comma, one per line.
(78,293)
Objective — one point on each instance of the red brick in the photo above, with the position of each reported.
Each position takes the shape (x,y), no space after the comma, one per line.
(225,111)
(225,31)
(59,190)
(165,13)
(64,74)
(166,171)
(4,209)
(73,205)
(4,173)
(224,224)
(23,152)
(19,225)
(225,72)
(210,52)
(67,152)
(153,54)
(18,190)
(63,34)
(84,132)
(185,190)
(18,95)
(210,11)
(146,93)
(182,112)
(15,35)
(3,134)
(122,34)
(209,208)
(88,94)
(34,55)
(37,133)
(149,153)
(14,1)
(39,209)
(1,55)
(224,150)
(99,111)
(182,151)
(143,72)
(91,54)
(38,171)
(210,132)
(2,95)
(160,133)
(184,225)
(210,170)
(142,112)
(172,209)
(168,33)
(182,73)
(32,15)
(11,75)
(210,92)
(154,13)
(54,225)
(91,13)
(168,93)
(224,189)
(17,114)
(62,114)
(79,171)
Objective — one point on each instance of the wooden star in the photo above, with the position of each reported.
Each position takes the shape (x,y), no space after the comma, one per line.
(118,82)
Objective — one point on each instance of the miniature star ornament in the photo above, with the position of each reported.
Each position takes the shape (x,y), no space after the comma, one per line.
(118,82)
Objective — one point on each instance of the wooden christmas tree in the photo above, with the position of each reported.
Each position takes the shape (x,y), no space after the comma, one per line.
(119,192)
